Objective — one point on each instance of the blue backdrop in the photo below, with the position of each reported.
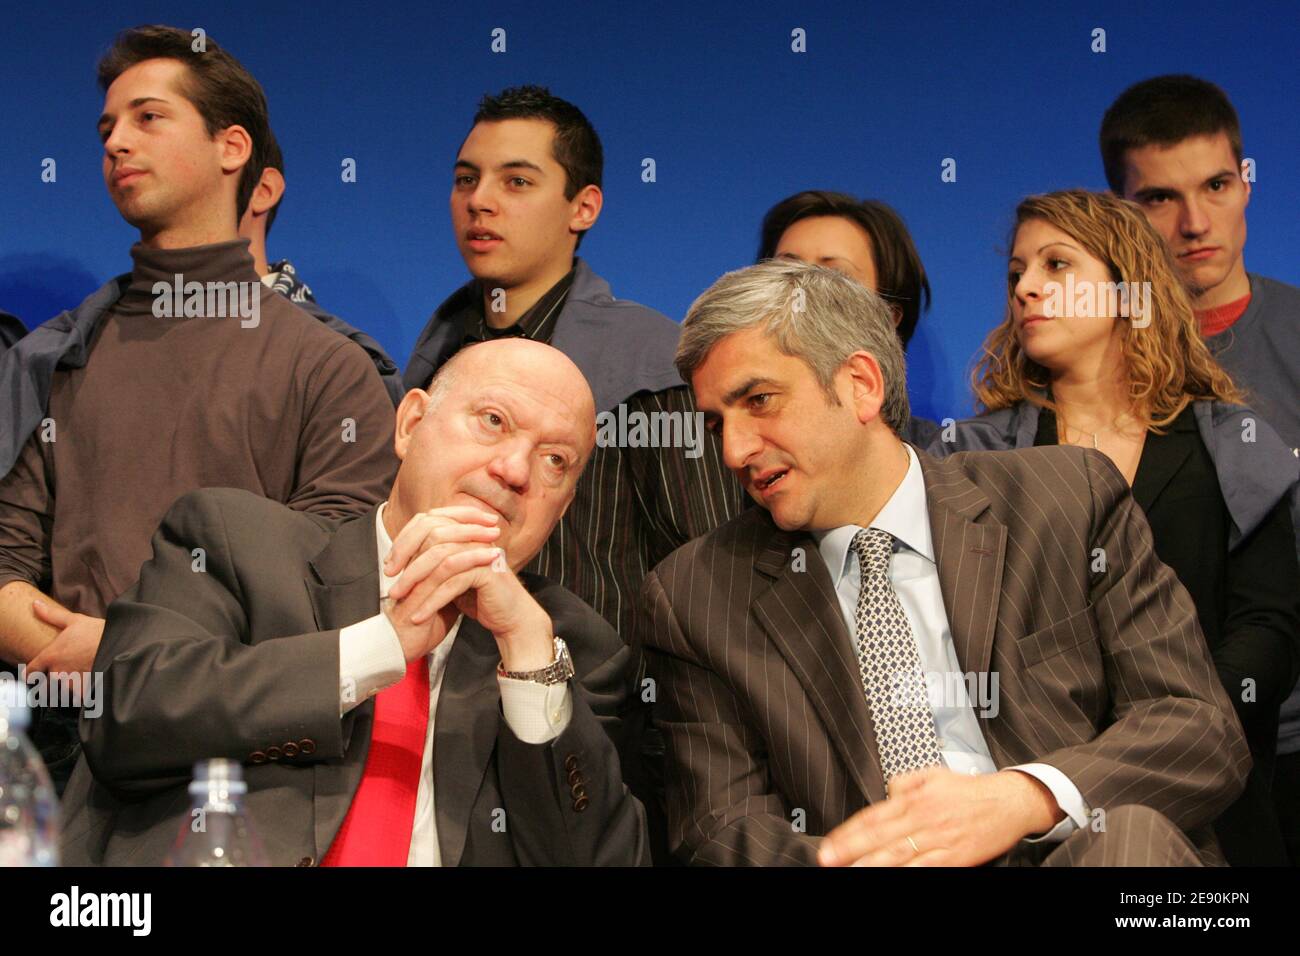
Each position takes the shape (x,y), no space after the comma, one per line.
(733,118)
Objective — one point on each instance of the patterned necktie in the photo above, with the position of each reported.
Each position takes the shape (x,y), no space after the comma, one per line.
(890,665)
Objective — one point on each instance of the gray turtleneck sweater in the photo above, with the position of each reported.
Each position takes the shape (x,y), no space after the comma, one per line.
(287,409)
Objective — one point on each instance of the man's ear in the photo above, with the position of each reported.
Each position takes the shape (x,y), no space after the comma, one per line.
(409,415)
(236,148)
(586,206)
(270,189)
(867,384)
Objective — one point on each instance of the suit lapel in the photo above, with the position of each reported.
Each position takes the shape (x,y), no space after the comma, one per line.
(465,733)
(1162,457)
(344,589)
(801,615)
(970,555)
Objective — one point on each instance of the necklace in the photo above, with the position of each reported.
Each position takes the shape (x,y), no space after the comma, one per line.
(1093,435)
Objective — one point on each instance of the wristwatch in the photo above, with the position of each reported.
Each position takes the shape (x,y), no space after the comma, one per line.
(557,672)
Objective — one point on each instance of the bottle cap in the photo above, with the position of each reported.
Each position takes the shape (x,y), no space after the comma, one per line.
(13,703)
(218,774)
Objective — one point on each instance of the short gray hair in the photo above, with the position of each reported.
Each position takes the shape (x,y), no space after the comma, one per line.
(813,313)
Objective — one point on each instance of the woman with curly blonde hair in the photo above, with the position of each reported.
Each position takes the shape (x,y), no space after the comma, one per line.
(1092,259)
(1100,348)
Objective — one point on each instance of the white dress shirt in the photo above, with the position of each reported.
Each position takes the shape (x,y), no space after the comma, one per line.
(371,658)
(915,576)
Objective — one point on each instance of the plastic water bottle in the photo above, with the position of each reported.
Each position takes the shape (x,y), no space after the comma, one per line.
(29,810)
(217,831)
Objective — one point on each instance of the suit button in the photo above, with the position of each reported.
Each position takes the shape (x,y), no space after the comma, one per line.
(274,753)
(580,804)
(290,749)
(575,776)
(571,762)
(579,791)
(257,757)
(305,861)
(307,745)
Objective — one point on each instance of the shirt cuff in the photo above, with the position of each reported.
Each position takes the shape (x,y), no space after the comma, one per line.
(370,659)
(536,713)
(1067,796)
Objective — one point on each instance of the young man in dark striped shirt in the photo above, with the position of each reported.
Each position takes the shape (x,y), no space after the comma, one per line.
(526,187)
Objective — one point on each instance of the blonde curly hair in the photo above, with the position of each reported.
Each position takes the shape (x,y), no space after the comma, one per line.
(1167,362)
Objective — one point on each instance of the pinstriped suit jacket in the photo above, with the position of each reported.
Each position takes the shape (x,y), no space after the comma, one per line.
(1102,673)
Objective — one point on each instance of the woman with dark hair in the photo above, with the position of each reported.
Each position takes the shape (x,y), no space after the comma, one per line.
(867,241)
(1099,347)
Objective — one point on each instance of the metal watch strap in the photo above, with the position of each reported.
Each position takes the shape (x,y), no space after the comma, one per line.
(557,672)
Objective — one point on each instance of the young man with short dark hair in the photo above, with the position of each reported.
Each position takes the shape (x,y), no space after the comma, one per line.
(1172,144)
(526,188)
(146,391)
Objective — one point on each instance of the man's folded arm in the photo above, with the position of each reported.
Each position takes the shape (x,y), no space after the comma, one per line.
(1175,744)
(26,525)
(722,809)
(565,797)
(22,634)
(180,682)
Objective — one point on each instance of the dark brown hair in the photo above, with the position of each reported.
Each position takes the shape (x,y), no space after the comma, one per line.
(899,271)
(1163,111)
(575,145)
(224,93)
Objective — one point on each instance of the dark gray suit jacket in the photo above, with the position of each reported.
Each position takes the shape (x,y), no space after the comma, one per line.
(1103,673)
(241,660)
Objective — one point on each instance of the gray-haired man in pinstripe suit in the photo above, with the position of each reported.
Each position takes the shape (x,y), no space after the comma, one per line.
(897,660)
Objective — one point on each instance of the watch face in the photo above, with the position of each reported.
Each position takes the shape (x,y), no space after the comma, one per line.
(563,666)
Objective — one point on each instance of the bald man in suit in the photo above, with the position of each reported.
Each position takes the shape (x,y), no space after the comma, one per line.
(900,661)
(400,694)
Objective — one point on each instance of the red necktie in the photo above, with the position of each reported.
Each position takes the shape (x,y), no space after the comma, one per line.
(377,829)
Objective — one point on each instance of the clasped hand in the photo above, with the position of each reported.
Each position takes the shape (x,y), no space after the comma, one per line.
(449,564)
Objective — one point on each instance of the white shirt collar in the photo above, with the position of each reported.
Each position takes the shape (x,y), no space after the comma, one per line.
(905,516)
